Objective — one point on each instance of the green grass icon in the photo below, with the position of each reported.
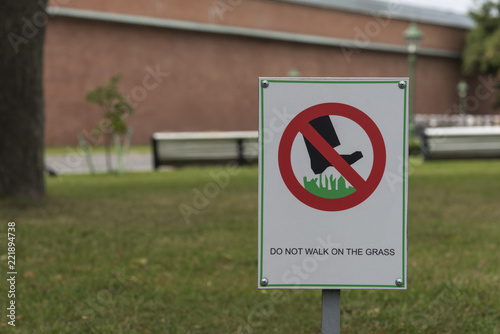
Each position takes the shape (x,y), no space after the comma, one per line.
(328,187)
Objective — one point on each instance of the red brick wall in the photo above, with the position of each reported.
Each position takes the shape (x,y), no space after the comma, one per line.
(275,15)
(212,81)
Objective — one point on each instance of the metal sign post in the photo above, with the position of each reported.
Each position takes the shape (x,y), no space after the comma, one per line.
(331,312)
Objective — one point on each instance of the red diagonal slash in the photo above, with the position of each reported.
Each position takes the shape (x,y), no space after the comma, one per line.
(332,156)
(300,124)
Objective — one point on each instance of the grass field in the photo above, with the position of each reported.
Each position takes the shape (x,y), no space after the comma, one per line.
(94,149)
(146,253)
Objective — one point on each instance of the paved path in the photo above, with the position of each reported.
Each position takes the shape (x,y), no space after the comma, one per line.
(75,163)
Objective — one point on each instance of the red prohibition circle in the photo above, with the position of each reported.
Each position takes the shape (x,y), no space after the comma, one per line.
(300,124)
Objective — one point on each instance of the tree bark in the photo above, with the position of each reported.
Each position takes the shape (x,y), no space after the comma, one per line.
(22,33)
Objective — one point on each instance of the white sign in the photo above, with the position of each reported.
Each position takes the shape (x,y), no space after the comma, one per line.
(333,160)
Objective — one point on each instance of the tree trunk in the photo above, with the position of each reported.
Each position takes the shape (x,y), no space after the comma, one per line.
(22,32)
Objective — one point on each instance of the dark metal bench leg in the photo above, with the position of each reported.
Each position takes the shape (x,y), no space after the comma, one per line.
(241,153)
(156,161)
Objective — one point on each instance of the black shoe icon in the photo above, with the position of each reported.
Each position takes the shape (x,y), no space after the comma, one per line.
(323,125)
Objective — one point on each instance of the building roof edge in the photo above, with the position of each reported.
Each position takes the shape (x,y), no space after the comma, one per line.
(349,46)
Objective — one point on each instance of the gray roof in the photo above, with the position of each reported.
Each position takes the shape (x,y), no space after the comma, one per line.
(394,9)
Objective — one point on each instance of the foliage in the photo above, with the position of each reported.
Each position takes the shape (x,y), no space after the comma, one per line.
(115,105)
(116,110)
(114,255)
(482,50)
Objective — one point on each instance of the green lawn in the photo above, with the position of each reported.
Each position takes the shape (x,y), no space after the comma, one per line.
(146,253)
(94,149)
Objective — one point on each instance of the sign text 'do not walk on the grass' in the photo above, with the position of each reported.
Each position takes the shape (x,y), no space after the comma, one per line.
(332,183)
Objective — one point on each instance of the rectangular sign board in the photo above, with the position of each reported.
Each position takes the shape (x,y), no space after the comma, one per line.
(333,161)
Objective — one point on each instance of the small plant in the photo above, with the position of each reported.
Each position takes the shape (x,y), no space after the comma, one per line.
(116,110)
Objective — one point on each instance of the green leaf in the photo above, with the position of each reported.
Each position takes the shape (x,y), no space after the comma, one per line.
(115,104)
(482,46)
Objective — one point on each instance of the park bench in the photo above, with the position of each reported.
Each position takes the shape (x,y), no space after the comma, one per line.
(201,148)
(460,142)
